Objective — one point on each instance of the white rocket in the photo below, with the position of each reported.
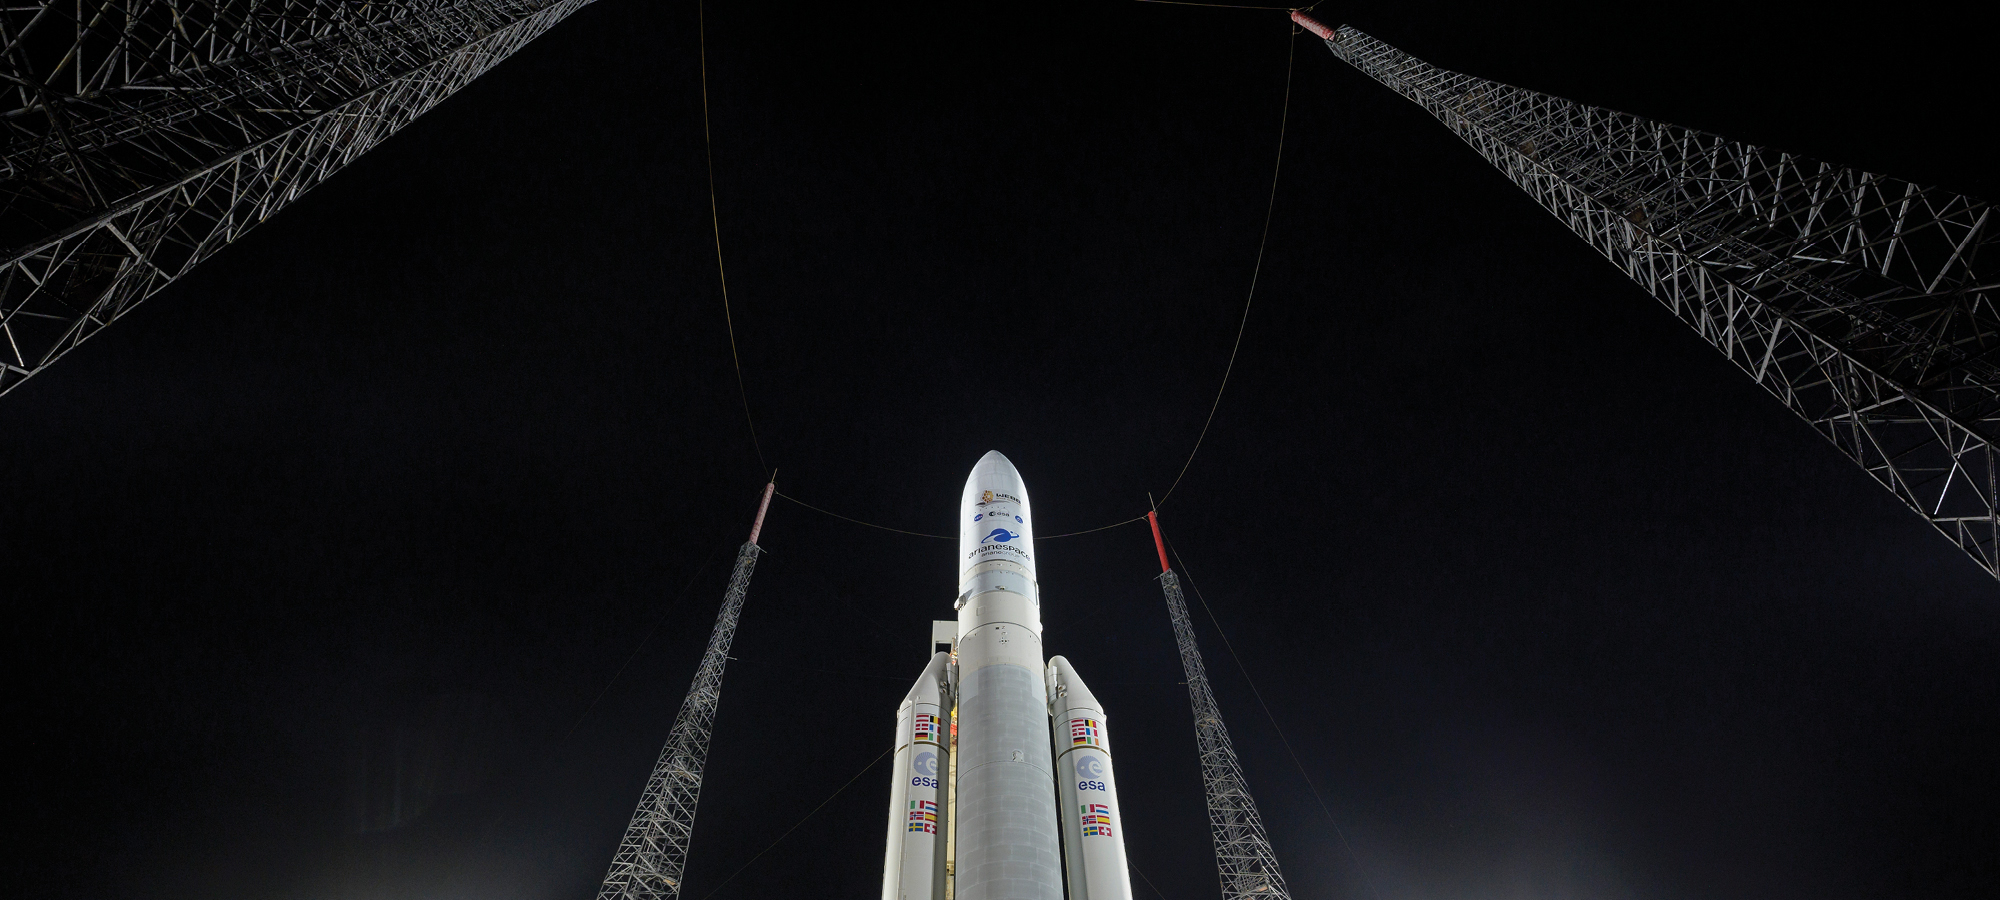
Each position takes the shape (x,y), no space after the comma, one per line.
(1034,790)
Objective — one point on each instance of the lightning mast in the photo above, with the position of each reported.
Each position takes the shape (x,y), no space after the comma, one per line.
(1854,298)
(1243,857)
(652,857)
(143,136)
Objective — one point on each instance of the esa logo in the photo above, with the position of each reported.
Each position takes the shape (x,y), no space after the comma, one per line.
(1001,535)
(1090,768)
(926,766)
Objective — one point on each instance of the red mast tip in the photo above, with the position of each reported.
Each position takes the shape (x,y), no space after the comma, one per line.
(762,505)
(1313,25)
(1153,519)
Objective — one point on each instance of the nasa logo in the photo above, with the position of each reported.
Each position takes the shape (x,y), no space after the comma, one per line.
(1088,766)
(978,516)
(1020,520)
(924,764)
(1001,535)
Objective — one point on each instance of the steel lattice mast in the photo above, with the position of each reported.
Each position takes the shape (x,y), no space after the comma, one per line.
(1853,297)
(652,857)
(1243,856)
(144,135)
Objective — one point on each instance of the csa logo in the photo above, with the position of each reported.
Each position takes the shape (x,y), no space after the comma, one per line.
(1000,535)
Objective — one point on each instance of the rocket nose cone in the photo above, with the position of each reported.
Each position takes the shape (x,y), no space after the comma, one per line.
(995,522)
(994,472)
(996,462)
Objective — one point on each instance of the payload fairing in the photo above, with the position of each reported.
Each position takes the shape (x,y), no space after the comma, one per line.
(1020,728)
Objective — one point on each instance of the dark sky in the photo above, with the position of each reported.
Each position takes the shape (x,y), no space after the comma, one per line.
(316,562)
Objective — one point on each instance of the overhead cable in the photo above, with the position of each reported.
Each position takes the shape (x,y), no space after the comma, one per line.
(1236,346)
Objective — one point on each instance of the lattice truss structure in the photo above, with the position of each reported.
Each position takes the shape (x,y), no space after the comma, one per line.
(1243,854)
(141,136)
(1858,300)
(653,854)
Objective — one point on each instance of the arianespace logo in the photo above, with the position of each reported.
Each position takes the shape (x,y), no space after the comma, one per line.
(998,535)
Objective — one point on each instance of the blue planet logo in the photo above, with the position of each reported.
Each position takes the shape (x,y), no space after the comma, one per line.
(999,534)
(925,764)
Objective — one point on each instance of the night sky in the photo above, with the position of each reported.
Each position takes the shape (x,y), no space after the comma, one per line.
(372,559)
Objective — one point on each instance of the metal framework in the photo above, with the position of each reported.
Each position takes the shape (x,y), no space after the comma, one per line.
(141,136)
(1243,854)
(1858,300)
(653,854)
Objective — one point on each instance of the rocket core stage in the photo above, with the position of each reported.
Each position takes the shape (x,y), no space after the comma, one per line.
(1022,725)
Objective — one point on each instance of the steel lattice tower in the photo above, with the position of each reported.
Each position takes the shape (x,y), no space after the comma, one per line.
(141,136)
(1243,856)
(652,857)
(1852,297)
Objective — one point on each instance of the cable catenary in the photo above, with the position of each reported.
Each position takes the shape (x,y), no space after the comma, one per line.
(715,223)
(1256,270)
(1284,119)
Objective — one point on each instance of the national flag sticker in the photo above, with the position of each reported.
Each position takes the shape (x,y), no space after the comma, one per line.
(1085,732)
(1096,819)
(923,816)
(926,728)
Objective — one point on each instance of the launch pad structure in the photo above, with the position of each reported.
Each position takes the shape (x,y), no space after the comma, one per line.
(1852,297)
(145,136)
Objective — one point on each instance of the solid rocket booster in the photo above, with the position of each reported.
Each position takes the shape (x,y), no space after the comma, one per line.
(1006,818)
(913,866)
(1093,825)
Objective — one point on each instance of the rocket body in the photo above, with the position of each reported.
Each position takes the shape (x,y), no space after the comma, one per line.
(1022,727)
(1006,818)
